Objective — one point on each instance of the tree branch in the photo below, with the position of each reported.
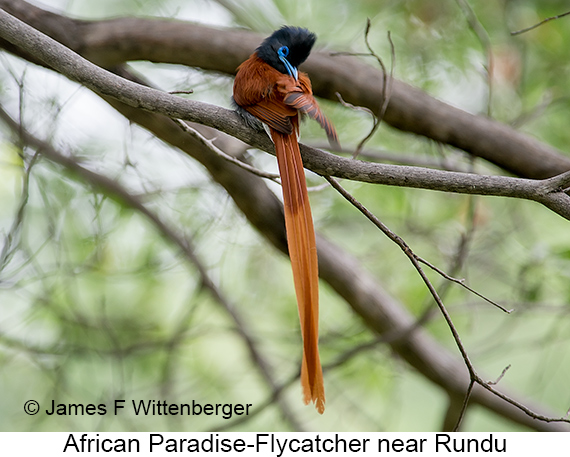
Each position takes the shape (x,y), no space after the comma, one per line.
(105,83)
(115,41)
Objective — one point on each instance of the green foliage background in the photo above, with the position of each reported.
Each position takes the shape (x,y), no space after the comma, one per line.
(95,305)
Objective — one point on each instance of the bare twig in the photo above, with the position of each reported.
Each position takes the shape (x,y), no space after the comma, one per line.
(465,405)
(544,21)
(212,147)
(415,260)
(462,283)
(387,79)
(386,87)
(501,376)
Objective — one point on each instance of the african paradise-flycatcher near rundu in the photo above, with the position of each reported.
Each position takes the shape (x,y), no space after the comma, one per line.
(269,87)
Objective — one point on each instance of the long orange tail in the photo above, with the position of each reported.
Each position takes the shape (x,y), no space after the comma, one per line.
(303,254)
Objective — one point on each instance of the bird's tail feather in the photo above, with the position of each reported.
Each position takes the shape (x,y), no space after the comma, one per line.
(303,254)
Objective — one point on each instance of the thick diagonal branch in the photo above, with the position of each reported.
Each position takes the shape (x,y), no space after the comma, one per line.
(105,83)
(115,41)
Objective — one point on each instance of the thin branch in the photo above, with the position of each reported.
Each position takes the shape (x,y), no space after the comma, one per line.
(544,21)
(387,80)
(463,284)
(529,412)
(414,259)
(501,376)
(464,406)
(212,147)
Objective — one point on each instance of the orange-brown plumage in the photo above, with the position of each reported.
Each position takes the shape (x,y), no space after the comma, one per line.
(276,99)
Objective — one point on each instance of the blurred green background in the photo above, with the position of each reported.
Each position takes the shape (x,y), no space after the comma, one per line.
(96,306)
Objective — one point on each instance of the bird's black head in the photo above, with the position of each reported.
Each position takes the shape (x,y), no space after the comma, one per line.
(287,48)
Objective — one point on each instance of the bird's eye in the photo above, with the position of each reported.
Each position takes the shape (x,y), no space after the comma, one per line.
(283,51)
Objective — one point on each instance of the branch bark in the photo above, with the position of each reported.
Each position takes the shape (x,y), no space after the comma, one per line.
(115,41)
(105,83)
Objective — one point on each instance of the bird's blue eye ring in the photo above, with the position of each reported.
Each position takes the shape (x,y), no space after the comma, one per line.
(283,52)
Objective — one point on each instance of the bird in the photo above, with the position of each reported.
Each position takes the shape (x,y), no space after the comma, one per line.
(269,87)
